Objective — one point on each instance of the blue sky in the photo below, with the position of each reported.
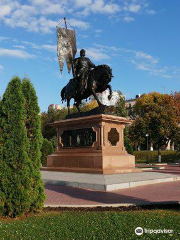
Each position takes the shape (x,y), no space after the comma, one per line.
(139,39)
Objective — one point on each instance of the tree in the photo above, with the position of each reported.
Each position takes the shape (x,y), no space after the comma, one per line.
(1,137)
(47,149)
(156,116)
(120,107)
(127,142)
(89,106)
(2,196)
(120,110)
(176,139)
(33,127)
(15,184)
(51,116)
(176,97)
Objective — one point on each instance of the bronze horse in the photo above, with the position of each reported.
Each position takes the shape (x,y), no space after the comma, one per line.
(98,81)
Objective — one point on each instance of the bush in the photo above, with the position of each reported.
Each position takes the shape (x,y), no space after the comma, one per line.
(33,128)
(47,149)
(127,142)
(168,156)
(128,145)
(15,186)
(54,142)
(2,197)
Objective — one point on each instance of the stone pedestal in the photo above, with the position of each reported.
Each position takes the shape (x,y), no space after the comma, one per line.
(92,144)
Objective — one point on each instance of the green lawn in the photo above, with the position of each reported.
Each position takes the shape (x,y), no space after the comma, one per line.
(91,225)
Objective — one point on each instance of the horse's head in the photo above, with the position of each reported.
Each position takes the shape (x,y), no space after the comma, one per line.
(106,71)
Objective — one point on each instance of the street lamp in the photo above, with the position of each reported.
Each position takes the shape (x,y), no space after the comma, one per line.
(147,159)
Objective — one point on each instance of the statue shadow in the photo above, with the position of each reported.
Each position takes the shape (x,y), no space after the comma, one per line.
(65,195)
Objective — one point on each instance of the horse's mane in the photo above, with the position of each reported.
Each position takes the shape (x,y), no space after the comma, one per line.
(102,66)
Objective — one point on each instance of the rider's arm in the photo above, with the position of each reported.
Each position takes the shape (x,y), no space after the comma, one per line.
(75,62)
(92,65)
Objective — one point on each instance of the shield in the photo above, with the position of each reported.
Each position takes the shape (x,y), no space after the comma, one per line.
(66,47)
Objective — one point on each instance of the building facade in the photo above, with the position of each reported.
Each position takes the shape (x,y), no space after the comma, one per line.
(103,98)
(55,106)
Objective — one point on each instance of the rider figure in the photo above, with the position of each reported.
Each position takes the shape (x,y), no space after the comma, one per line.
(82,66)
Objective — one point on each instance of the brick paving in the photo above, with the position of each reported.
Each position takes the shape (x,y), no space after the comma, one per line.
(161,192)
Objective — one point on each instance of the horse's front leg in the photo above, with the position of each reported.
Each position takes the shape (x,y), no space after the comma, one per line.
(95,96)
(110,91)
(68,105)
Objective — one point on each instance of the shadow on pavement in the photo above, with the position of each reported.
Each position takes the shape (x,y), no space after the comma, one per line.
(78,196)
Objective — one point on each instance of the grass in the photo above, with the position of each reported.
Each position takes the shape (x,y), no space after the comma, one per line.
(168,156)
(90,225)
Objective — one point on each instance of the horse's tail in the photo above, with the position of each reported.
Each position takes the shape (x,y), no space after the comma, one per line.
(63,94)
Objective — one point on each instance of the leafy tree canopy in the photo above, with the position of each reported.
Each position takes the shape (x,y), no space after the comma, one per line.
(120,107)
(156,116)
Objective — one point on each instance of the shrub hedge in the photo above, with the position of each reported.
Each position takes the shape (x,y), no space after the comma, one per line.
(47,149)
(168,156)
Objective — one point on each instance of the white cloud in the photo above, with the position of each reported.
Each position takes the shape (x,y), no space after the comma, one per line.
(1,68)
(46,25)
(134,8)
(4,52)
(146,62)
(141,61)
(150,12)
(77,23)
(39,2)
(5,10)
(32,14)
(48,47)
(144,56)
(98,30)
(33,45)
(26,20)
(96,54)
(83,36)
(128,19)
(83,3)
(7,7)
(19,46)
(3,38)
(99,6)
(48,7)
(53,9)
(157,71)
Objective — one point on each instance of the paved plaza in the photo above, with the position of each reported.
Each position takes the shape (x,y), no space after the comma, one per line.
(164,191)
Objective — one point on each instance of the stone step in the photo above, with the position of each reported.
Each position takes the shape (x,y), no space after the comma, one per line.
(102,182)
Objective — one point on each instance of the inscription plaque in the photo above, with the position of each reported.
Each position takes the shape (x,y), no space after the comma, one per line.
(78,138)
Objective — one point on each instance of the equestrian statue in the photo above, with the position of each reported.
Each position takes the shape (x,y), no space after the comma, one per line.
(88,79)
(87,82)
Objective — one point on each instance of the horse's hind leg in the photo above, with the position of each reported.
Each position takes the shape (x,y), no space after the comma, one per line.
(95,96)
(77,106)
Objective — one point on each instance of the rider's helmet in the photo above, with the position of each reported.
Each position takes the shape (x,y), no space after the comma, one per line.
(82,52)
